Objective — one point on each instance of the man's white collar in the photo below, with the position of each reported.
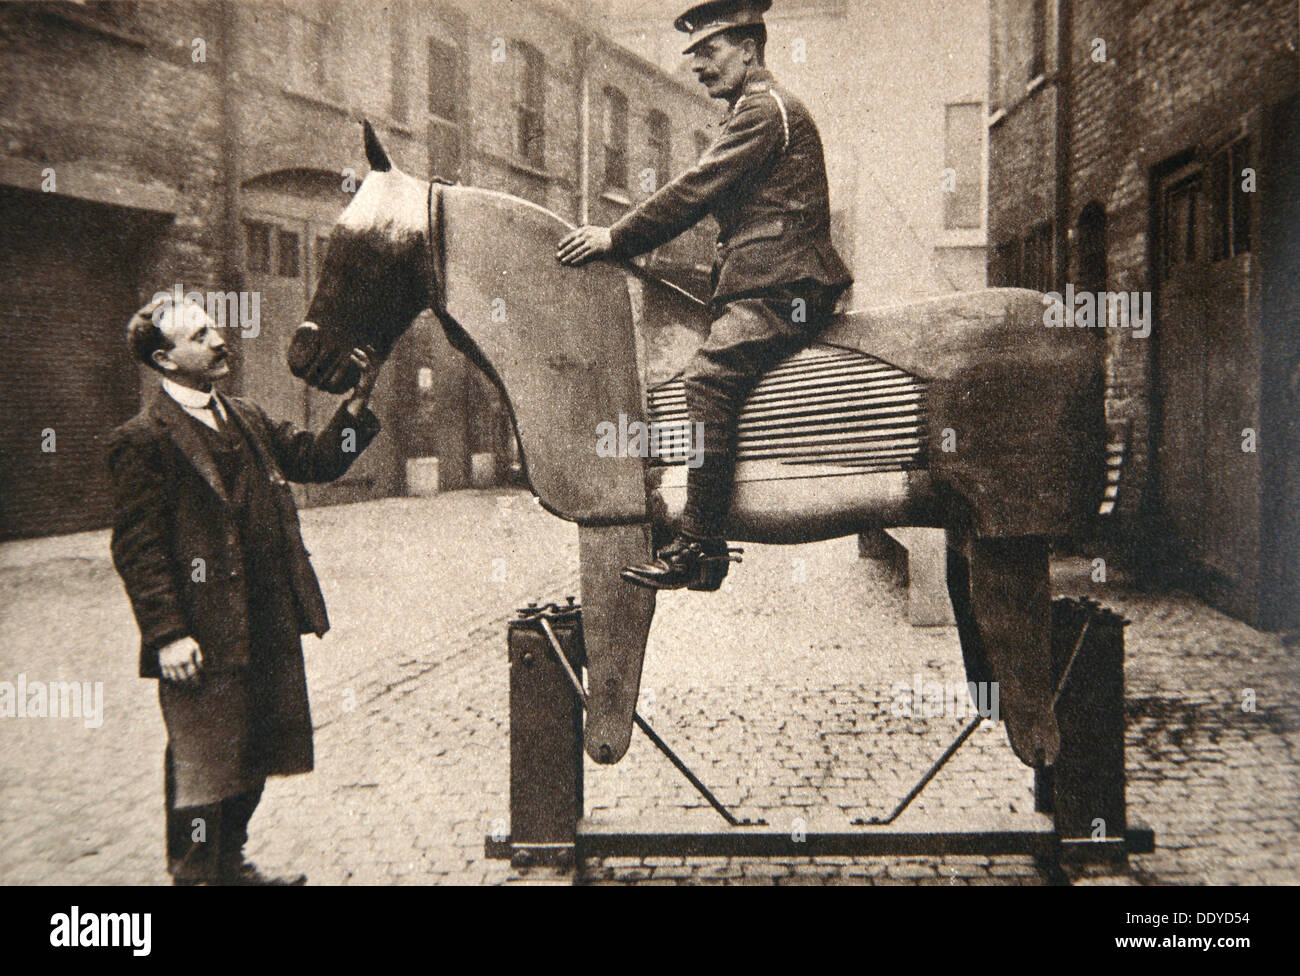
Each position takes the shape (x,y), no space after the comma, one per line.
(187,396)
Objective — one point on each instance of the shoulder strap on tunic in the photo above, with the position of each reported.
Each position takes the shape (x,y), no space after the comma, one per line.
(780,104)
(785,119)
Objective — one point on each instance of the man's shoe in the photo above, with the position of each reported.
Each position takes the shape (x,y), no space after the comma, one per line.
(247,874)
(696,564)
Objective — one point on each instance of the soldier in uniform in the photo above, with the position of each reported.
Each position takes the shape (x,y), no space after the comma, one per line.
(776,277)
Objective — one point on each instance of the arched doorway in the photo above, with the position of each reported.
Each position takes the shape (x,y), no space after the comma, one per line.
(286,220)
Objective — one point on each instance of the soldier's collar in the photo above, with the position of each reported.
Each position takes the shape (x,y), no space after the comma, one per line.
(759,80)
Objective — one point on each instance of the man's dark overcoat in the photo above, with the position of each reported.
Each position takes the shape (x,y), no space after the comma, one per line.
(192,523)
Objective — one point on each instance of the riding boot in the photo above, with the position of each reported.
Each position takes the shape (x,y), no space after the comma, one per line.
(696,564)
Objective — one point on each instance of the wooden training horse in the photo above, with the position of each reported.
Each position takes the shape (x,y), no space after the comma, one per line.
(963,412)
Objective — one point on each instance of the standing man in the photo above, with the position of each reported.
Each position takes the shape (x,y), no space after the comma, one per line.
(777,275)
(206,540)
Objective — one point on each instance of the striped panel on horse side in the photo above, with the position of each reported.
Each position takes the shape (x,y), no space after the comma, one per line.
(821,406)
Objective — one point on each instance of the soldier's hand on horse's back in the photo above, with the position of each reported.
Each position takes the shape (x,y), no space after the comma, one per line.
(181,661)
(584,244)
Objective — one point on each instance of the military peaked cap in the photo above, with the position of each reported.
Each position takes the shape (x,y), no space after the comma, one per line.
(707,20)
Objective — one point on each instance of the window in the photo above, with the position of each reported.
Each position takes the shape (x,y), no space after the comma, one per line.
(399,83)
(661,151)
(1229,203)
(615,138)
(1178,230)
(1038,60)
(307,38)
(265,243)
(446,78)
(963,147)
(444,70)
(530,105)
(287,265)
(258,245)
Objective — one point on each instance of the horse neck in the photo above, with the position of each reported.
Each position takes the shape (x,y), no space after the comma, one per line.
(558,342)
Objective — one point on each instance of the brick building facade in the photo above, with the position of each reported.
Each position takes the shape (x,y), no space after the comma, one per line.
(212,145)
(1150,148)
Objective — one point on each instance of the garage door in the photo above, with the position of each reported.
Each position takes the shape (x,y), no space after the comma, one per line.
(68,272)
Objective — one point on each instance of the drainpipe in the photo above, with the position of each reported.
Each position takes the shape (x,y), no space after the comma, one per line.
(582,50)
(1064,114)
(231,272)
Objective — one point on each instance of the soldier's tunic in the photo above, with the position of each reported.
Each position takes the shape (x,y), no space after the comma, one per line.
(776,275)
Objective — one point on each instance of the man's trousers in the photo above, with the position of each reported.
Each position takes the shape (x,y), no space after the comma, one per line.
(206,843)
(750,334)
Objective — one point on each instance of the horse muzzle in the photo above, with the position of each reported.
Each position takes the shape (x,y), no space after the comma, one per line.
(309,358)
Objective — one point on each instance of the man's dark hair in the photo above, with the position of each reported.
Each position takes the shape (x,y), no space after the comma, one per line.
(143,335)
(757,32)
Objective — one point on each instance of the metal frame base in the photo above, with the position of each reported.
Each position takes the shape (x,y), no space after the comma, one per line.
(1081,795)
(612,839)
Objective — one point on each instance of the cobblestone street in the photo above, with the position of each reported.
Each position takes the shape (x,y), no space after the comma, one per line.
(777,690)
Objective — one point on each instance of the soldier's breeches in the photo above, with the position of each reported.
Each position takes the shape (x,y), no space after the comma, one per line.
(749,337)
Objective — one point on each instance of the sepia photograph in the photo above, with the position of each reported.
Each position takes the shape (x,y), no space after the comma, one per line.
(644,442)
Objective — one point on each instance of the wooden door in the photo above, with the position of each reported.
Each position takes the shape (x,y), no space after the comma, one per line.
(1208,378)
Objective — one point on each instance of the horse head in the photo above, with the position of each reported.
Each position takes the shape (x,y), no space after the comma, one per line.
(373,281)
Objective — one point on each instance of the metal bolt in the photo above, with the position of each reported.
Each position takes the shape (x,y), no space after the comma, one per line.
(528,659)
(522,859)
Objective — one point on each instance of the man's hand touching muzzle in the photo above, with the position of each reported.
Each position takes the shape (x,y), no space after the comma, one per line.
(360,396)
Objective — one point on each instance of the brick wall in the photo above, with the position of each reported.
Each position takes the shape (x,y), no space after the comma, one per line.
(1175,71)
(113,100)
(110,152)
(130,107)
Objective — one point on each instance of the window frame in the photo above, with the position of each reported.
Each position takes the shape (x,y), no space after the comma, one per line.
(659,140)
(979,129)
(614,139)
(530,105)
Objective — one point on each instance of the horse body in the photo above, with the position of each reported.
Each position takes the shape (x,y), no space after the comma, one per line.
(963,412)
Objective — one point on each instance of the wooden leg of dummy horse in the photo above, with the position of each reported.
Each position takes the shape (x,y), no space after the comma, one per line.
(1002,601)
(616,619)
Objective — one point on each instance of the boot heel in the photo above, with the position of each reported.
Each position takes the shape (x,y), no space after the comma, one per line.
(710,572)
(709,579)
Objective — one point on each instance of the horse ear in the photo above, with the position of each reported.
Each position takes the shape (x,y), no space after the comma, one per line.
(375,154)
